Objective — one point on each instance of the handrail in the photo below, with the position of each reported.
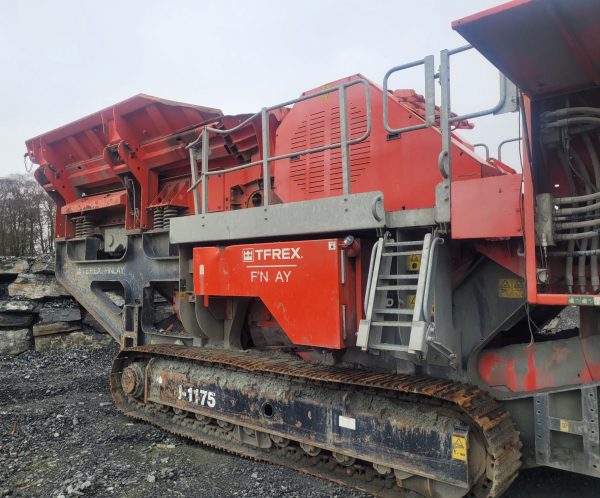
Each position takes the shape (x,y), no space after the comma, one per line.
(428,63)
(426,306)
(487,150)
(377,247)
(506,103)
(503,143)
(507,95)
(344,144)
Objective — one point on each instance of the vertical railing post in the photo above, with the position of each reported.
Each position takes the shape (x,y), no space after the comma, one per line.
(265,159)
(442,201)
(204,183)
(345,148)
(194,166)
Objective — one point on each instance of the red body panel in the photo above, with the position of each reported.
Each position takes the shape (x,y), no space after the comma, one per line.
(404,168)
(558,363)
(94,202)
(308,286)
(487,208)
(566,29)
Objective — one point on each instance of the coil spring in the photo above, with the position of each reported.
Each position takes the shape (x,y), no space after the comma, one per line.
(169,212)
(84,226)
(159,219)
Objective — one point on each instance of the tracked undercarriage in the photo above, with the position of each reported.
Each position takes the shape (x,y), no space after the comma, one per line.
(303,416)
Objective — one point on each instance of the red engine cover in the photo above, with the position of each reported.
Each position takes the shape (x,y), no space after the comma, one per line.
(308,286)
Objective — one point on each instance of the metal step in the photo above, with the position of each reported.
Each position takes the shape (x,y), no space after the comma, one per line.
(402,253)
(396,287)
(405,276)
(405,243)
(392,324)
(390,347)
(394,311)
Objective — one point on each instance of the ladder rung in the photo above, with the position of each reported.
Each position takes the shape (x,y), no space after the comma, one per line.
(401,253)
(392,324)
(392,311)
(389,347)
(404,276)
(404,243)
(396,287)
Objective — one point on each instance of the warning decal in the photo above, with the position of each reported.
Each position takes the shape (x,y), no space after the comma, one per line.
(583,300)
(414,262)
(511,288)
(459,448)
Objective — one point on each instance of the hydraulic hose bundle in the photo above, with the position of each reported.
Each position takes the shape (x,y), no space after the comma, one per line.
(576,218)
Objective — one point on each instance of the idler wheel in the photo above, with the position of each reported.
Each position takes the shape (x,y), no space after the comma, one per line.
(310,450)
(281,442)
(344,460)
(132,380)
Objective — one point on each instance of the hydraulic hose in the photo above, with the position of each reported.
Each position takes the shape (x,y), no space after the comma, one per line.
(590,252)
(576,236)
(577,198)
(568,111)
(578,210)
(573,121)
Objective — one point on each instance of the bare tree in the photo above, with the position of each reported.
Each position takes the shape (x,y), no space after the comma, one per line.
(26,217)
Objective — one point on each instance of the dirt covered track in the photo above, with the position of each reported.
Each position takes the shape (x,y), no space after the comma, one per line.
(61,435)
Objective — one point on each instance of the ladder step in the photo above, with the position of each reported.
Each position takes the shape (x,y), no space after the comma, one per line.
(404,276)
(396,287)
(389,347)
(401,253)
(392,324)
(404,243)
(392,311)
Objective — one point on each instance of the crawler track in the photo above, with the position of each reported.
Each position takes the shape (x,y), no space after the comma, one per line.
(485,415)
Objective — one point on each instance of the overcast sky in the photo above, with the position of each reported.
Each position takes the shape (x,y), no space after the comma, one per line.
(63,59)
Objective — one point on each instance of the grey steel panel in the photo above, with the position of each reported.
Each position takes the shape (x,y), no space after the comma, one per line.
(333,214)
(585,460)
(410,218)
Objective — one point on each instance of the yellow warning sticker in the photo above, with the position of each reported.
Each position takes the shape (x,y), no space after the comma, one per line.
(414,262)
(511,288)
(459,448)
(182,296)
(411,303)
(564,425)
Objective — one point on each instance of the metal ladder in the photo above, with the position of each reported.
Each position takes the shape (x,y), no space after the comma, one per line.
(412,325)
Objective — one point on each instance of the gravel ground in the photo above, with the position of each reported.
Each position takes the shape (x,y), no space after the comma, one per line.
(61,436)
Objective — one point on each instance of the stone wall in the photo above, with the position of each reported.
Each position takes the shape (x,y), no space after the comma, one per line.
(36,312)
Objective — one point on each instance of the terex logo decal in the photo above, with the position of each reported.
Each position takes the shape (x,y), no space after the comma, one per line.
(249,255)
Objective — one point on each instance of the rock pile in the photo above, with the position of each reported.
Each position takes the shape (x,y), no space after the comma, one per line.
(37,312)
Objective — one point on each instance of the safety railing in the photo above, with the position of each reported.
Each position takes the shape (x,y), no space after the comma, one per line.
(507,102)
(429,66)
(484,147)
(503,143)
(203,140)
